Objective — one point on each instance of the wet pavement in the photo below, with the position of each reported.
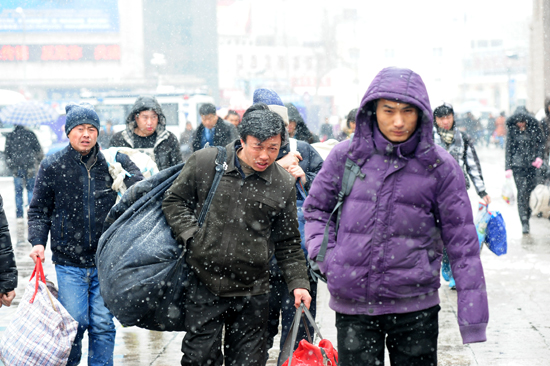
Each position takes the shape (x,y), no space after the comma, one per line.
(517,284)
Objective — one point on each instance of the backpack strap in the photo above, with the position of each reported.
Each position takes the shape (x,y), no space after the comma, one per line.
(221,167)
(351,172)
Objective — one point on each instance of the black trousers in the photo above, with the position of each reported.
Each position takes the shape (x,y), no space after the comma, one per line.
(244,318)
(526,181)
(411,338)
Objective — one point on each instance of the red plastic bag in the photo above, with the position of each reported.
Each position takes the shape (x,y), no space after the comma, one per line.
(308,354)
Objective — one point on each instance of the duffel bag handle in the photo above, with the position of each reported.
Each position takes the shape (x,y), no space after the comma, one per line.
(288,347)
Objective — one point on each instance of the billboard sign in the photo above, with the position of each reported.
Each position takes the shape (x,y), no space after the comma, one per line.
(38,16)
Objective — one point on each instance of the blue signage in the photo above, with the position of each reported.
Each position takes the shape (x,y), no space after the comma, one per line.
(39,16)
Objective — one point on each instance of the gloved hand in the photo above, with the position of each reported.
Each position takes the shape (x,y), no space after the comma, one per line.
(537,163)
(508,173)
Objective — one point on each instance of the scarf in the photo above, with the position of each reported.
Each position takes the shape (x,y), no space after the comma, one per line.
(448,136)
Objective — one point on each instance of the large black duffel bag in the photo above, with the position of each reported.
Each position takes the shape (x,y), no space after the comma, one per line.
(141,267)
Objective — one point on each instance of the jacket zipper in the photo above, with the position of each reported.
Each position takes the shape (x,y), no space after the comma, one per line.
(89,199)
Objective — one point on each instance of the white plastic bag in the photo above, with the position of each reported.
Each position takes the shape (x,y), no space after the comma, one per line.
(42,331)
(509,191)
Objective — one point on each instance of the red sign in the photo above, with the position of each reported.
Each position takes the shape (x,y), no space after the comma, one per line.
(14,53)
(59,52)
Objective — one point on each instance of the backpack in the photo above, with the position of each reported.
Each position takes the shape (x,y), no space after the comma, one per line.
(351,172)
(141,266)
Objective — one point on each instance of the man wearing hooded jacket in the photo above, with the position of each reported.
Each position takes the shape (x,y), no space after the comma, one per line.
(146,131)
(383,265)
(524,156)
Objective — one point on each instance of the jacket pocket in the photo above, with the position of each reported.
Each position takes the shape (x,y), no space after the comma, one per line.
(260,212)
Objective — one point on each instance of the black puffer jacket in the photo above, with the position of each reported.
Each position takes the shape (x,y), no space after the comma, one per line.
(224,133)
(166,150)
(523,147)
(8,270)
(23,151)
(311,162)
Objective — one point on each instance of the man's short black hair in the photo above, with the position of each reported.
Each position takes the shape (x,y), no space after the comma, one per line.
(261,123)
(206,109)
(232,112)
(351,117)
(444,110)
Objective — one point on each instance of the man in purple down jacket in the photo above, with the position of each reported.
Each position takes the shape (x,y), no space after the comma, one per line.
(383,268)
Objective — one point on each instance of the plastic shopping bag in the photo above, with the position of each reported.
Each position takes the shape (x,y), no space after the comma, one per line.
(482,218)
(42,331)
(496,234)
(508,191)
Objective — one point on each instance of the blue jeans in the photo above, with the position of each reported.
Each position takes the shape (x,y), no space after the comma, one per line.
(21,181)
(79,294)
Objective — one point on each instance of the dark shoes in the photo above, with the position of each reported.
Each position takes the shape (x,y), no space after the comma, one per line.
(525,228)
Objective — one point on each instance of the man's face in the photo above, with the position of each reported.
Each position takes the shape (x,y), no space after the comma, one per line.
(352,126)
(83,138)
(521,125)
(445,122)
(291,128)
(397,121)
(233,119)
(260,155)
(146,123)
(209,120)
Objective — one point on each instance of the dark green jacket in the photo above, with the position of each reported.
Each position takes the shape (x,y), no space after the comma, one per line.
(249,220)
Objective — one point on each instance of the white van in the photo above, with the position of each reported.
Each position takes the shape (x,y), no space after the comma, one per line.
(177,107)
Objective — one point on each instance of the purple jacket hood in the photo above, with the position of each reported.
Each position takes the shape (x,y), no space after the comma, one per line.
(400,85)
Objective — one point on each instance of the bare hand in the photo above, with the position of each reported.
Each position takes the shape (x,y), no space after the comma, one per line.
(297,172)
(487,199)
(6,299)
(301,295)
(292,158)
(37,252)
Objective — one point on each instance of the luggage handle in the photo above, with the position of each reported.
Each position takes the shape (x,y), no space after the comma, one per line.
(288,347)
(39,272)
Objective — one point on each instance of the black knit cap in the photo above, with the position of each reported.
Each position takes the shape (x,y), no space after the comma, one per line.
(80,114)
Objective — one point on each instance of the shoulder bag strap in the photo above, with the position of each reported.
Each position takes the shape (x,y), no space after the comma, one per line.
(221,167)
(351,172)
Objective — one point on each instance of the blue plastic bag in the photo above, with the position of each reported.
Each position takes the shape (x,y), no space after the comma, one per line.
(482,219)
(496,234)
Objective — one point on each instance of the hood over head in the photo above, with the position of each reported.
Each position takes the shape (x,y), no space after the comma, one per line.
(521,114)
(402,85)
(146,103)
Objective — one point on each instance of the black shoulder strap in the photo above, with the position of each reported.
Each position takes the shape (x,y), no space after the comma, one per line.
(221,166)
(351,172)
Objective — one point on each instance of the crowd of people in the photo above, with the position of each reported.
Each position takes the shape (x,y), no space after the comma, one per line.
(284,217)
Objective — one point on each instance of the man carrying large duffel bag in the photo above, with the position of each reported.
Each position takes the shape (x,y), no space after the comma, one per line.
(252,216)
